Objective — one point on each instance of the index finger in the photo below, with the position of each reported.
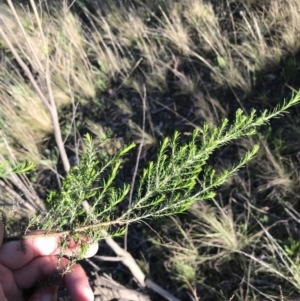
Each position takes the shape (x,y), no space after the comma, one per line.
(16,254)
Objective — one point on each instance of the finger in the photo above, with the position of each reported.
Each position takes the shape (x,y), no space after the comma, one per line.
(46,294)
(44,270)
(8,283)
(77,285)
(16,254)
(2,296)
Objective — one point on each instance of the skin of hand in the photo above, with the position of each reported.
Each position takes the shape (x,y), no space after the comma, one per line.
(20,271)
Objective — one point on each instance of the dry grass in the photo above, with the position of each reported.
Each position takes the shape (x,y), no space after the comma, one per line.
(212,239)
(215,239)
(59,48)
(185,30)
(25,120)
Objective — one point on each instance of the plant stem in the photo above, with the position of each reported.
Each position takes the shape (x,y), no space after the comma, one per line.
(43,233)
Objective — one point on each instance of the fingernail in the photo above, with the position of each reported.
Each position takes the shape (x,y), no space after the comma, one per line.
(47,297)
(92,250)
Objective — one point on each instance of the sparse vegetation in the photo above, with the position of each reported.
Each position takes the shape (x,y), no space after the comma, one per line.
(138,71)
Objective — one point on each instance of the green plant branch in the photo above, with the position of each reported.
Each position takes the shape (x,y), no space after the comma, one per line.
(7,168)
(168,186)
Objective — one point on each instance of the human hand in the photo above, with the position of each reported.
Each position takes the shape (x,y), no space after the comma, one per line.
(21,270)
